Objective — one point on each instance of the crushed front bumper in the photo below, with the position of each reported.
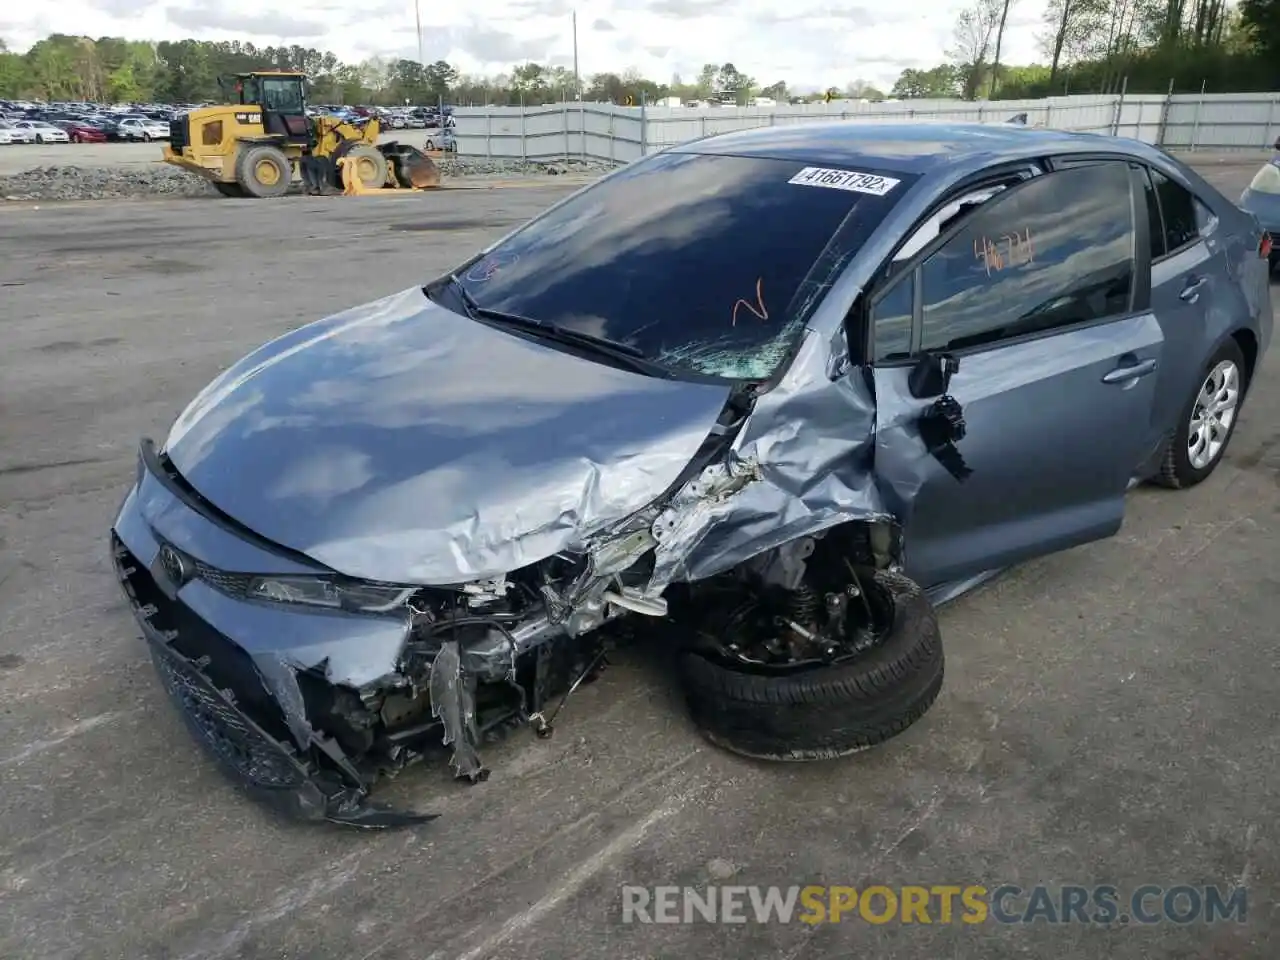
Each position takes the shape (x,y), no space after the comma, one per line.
(229,665)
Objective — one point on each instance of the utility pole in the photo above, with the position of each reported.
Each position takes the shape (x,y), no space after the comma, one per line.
(577,79)
(417,16)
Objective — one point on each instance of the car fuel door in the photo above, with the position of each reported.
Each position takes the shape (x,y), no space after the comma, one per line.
(1010,421)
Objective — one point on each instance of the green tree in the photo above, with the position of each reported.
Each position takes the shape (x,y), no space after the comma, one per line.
(940,82)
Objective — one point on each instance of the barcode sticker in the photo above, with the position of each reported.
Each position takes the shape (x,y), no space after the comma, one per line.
(844,180)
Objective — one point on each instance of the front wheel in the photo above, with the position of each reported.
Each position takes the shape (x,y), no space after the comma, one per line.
(831,709)
(1207,421)
(39,138)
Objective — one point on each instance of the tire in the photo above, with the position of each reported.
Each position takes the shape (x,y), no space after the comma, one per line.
(229,189)
(264,172)
(830,711)
(39,138)
(1178,471)
(371,164)
(429,145)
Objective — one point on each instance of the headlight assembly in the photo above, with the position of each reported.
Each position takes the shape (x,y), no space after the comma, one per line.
(332,593)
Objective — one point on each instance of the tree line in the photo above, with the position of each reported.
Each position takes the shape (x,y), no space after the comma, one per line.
(112,69)
(1088,46)
(1103,46)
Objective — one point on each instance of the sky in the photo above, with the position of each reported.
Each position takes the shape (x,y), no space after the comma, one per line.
(807,43)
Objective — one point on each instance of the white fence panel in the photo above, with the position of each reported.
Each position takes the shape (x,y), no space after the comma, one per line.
(1236,121)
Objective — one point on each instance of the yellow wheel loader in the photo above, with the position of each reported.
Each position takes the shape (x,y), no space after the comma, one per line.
(260,144)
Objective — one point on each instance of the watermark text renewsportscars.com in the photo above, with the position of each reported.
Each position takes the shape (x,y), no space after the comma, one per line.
(936,904)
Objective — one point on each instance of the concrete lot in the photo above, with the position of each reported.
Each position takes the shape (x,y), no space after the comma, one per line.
(1109,714)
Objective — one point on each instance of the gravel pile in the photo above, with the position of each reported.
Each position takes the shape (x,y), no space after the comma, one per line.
(162,180)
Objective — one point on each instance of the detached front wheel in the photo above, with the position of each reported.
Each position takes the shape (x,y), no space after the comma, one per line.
(825,710)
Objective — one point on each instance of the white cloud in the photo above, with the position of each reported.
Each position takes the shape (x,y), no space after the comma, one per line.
(808,43)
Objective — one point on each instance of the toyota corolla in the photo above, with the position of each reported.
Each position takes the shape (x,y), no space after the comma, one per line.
(767,398)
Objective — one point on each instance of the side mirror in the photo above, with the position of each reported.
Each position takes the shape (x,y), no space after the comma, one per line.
(931,376)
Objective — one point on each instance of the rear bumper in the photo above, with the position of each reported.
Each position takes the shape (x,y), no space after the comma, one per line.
(231,666)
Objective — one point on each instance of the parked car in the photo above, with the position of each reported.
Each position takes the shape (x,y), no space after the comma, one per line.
(81,132)
(441,139)
(43,132)
(1262,199)
(871,365)
(10,132)
(142,128)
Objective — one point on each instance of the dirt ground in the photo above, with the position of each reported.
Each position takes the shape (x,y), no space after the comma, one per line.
(1109,714)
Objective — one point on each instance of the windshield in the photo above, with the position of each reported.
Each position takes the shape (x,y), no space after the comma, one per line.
(282,96)
(1266,180)
(705,264)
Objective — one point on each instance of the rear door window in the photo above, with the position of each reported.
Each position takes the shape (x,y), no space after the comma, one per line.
(1182,220)
(1024,263)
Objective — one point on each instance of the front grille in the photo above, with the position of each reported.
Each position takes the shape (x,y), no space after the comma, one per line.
(179,133)
(213,682)
(224,730)
(233,584)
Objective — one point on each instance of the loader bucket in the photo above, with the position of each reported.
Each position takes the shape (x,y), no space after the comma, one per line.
(411,167)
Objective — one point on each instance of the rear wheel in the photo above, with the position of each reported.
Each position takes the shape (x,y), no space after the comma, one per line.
(264,172)
(229,189)
(1208,420)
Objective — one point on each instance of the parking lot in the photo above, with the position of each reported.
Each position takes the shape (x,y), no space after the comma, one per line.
(1109,715)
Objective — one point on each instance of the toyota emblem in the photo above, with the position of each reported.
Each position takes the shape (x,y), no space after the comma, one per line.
(173,564)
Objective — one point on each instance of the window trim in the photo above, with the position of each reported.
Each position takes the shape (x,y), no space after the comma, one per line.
(910,272)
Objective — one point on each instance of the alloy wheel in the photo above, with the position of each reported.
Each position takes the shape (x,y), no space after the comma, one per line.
(1214,413)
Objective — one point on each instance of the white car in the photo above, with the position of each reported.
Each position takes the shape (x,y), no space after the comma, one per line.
(143,128)
(441,139)
(11,133)
(42,132)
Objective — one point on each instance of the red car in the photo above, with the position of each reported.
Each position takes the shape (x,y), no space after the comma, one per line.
(81,132)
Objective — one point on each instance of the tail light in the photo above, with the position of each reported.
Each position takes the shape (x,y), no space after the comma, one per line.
(1264,246)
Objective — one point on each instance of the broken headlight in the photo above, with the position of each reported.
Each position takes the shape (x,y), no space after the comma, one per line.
(329,592)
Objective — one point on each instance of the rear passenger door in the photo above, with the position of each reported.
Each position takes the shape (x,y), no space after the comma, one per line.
(1188,273)
(1040,295)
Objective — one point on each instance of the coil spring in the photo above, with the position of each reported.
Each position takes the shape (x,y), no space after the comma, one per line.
(804,604)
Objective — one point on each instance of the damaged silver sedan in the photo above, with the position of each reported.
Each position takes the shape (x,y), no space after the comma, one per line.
(765,398)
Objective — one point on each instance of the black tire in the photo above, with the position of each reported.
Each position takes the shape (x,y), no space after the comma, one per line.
(831,711)
(1176,471)
(39,138)
(370,159)
(229,189)
(248,172)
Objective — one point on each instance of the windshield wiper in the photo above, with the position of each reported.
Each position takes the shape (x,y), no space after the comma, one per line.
(623,353)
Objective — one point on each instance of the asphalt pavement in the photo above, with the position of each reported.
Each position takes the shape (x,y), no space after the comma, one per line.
(1109,714)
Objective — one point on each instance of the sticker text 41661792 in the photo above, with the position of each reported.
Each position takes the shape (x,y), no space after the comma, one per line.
(845,180)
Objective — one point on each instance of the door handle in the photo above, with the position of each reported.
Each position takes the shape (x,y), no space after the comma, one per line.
(1191,292)
(1128,372)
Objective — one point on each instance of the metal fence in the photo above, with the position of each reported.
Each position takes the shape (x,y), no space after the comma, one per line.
(1228,121)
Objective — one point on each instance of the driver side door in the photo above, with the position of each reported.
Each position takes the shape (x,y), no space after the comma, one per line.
(1041,294)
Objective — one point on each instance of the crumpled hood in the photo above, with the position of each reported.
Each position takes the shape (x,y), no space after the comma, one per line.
(400,441)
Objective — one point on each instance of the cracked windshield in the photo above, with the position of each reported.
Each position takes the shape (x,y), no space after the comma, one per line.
(680,259)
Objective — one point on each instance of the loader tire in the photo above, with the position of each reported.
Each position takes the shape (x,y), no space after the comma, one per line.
(829,711)
(371,165)
(229,189)
(264,172)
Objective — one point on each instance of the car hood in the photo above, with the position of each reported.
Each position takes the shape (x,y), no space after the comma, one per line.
(402,442)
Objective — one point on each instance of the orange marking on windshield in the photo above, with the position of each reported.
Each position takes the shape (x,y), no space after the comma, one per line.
(760,314)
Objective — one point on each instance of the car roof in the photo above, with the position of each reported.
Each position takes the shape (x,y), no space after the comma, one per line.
(909,147)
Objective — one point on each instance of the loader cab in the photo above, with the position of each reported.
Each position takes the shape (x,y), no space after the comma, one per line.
(282,97)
